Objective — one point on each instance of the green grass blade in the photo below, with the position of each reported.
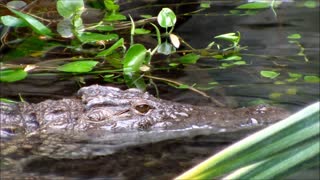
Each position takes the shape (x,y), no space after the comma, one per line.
(279,163)
(261,145)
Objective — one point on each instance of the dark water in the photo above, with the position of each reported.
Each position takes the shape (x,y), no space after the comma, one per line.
(267,49)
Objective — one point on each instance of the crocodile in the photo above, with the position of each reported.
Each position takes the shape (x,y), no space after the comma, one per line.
(101,121)
(105,119)
(98,109)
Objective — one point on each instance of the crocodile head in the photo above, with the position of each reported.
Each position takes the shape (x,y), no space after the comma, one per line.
(114,109)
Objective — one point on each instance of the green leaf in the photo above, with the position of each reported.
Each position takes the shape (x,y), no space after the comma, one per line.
(235,12)
(78,66)
(111,5)
(291,79)
(166,48)
(65,27)
(16,4)
(141,31)
(310,4)
(111,49)
(135,80)
(255,5)
(88,37)
(292,91)
(115,17)
(12,75)
(239,63)
(269,74)
(146,16)
(233,58)
(166,18)
(294,36)
(173,64)
(205,5)
(294,75)
(13,21)
(190,58)
(36,25)
(68,8)
(275,95)
(311,79)
(105,28)
(134,58)
(233,37)
(5,100)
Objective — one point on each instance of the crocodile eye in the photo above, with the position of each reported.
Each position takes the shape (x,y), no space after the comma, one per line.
(142,108)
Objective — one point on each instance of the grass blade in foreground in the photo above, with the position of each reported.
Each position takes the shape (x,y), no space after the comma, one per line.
(264,148)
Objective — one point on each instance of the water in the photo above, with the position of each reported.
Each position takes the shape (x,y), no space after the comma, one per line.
(268,48)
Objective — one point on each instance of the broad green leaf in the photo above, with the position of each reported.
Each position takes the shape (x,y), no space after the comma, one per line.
(141,31)
(233,37)
(77,24)
(310,4)
(166,18)
(269,74)
(294,75)
(213,83)
(173,64)
(233,58)
(251,12)
(183,86)
(16,4)
(224,65)
(275,95)
(36,25)
(67,8)
(88,37)
(254,5)
(237,12)
(205,5)
(115,17)
(13,21)
(78,66)
(146,16)
(166,48)
(294,36)
(239,63)
(134,58)
(64,28)
(292,91)
(190,58)
(135,80)
(105,28)
(12,75)
(110,5)
(111,49)
(311,79)
(291,79)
